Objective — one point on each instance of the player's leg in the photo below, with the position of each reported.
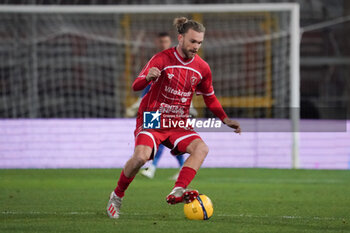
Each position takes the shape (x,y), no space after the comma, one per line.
(158,155)
(198,150)
(151,170)
(145,144)
(180,159)
(141,155)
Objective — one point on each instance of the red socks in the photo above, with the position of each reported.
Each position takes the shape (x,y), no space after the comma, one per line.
(185,177)
(123,184)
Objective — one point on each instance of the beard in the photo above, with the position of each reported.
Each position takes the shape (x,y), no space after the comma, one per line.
(188,53)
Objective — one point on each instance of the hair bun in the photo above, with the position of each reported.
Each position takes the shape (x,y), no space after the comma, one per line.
(179,22)
(183,24)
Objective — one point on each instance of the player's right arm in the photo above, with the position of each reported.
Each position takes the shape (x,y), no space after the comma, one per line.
(150,72)
(141,82)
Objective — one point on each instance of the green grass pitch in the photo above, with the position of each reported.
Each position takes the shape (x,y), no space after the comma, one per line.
(245,200)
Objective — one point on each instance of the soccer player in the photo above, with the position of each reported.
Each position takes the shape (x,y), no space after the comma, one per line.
(162,42)
(175,73)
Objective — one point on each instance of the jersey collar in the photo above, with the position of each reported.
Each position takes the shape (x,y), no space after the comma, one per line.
(181,59)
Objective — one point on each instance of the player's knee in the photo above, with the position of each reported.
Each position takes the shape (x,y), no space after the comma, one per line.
(142,154)
(200,148)
(141,158)
(203,148)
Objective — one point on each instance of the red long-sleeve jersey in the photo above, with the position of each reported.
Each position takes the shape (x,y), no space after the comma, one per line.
(171,93)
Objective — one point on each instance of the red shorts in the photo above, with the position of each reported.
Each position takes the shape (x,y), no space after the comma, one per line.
(176,140)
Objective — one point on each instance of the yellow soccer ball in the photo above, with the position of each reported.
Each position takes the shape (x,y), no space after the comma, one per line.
(199,209)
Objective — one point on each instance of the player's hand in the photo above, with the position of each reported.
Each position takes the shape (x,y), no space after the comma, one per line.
(233,124)
(153,74)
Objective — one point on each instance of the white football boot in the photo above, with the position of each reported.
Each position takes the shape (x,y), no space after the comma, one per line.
(114,204)
(149,172)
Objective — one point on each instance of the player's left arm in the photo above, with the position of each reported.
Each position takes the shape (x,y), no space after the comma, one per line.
(215,107)
(206,89)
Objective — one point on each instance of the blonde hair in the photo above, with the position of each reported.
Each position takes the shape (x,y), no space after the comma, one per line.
(183,24)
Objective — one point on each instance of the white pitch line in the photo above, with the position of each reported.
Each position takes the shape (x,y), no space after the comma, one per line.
(48,213)
(278,181)
(284,217)
(140,214)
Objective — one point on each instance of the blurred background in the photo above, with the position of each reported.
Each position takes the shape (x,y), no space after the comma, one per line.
(65,83)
